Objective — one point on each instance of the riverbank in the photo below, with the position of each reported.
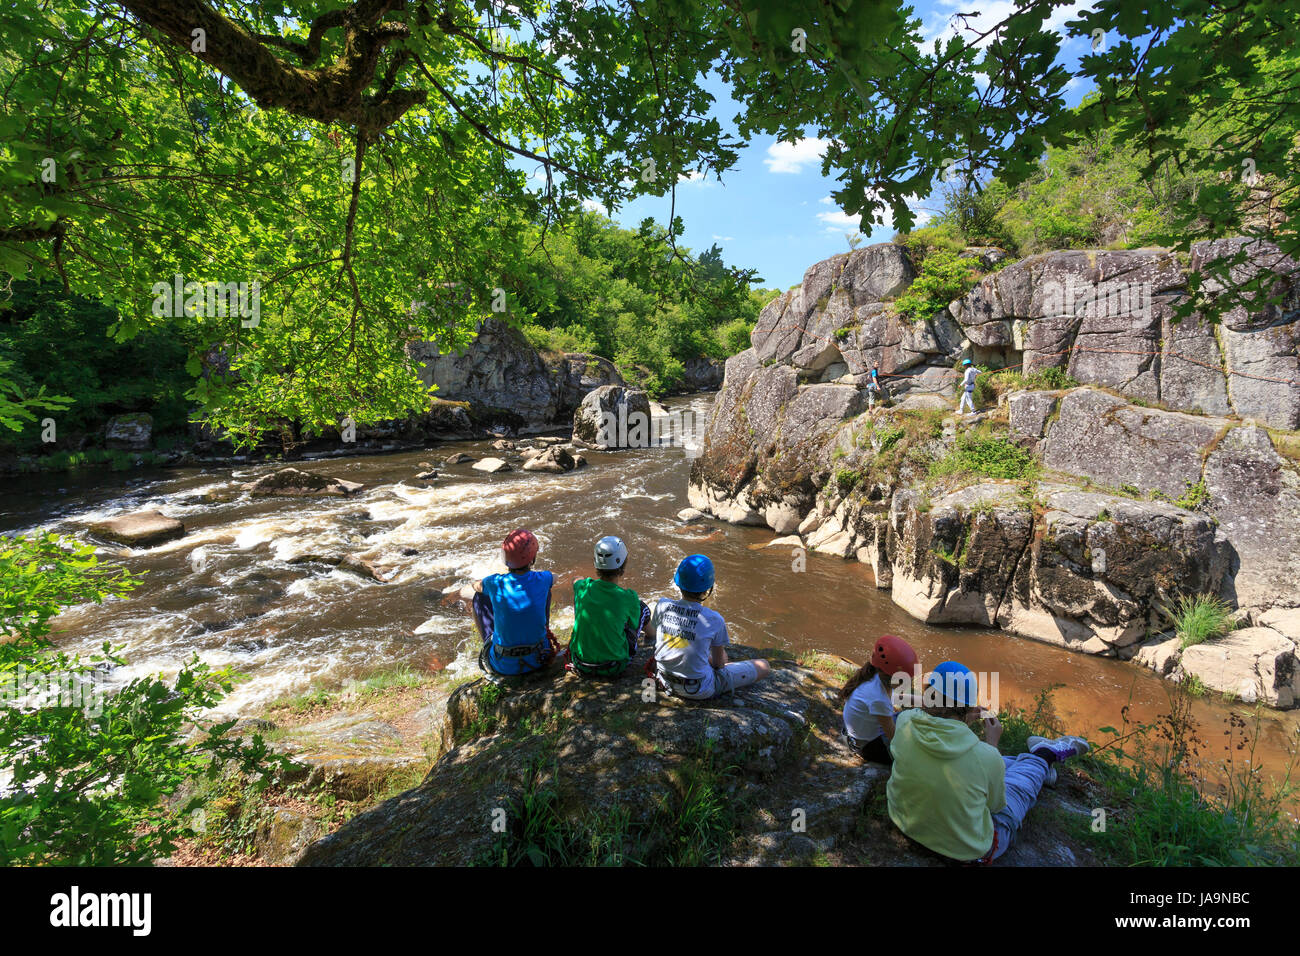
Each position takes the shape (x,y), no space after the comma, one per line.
(416,768)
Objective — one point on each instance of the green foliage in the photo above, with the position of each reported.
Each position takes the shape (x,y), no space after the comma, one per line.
(1173,813)
(1199,617)
(846,479)
(942,277)
(990,386)
(459,154)
(986,455)
(590,286)
(61,344)
(90,771)
(1196,497)
(691,827)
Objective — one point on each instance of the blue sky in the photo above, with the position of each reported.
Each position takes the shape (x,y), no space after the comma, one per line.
(773,211)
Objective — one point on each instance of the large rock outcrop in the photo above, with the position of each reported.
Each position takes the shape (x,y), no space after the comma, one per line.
(506,381)
(608,768)
(1150,481)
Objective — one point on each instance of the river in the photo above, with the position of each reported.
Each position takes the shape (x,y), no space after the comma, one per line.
(243,601)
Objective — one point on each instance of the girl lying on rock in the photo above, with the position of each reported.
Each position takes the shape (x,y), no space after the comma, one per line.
(953,793)
(691,640)
(868,699)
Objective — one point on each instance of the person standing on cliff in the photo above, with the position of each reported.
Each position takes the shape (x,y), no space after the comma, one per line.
(969,374)
(513,611)
(873,386)
(691,640)
(954,794)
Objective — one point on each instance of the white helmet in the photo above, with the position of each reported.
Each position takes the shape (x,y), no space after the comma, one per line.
(611,553)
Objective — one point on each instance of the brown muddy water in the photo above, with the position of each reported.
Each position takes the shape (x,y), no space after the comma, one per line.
(231,591)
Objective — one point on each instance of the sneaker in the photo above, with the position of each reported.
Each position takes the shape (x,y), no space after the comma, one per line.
(1063,748)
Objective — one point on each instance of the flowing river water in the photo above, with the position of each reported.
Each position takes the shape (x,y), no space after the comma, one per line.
(250,600)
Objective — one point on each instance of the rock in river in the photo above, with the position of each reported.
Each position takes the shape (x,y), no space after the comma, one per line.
(142,529)
(291,481)
(491,465)
(555,460)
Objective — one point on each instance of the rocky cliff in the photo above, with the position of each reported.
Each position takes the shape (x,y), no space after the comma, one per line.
(507,382)
(1072,515)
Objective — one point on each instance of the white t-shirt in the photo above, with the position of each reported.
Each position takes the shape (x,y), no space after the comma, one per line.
(685,634)
(868,701)
(968,381)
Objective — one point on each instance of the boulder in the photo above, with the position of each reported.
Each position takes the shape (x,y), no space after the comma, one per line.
(1253,663)
(1255,495)
(284,834)
(1100,569)
(953,563)
(459,458)
(702,374)
(132,432)
(1029,413)
(1161,655)
(491,465)
(614,417)
(141,529)
(577,374)
(295,483)
(444,419)
(1115,444)
(499,376)
(350,755)
(499,369)
(610,748)
(554,460)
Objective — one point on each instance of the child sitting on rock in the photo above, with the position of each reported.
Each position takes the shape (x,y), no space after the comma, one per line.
(868,703)
(690,639)
(608,619)
(953,793)
(513,611)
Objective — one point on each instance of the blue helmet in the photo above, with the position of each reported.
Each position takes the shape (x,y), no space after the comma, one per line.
(694,574)
(965,361)
(955,683)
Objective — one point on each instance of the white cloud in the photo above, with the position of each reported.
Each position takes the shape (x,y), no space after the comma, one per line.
(694,177)
(836,220)
(989,13)
(718,238)
(793,157)
(592,206)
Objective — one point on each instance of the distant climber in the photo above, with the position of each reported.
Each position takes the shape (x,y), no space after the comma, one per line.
(873,386)
(608,620)
(953,793)
(967,387)
(513,611)
(690,639)
(868,701)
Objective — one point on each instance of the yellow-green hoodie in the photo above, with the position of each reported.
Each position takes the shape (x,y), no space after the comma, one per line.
(945,785)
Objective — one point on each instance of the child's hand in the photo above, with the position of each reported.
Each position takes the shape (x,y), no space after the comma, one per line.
(992,730)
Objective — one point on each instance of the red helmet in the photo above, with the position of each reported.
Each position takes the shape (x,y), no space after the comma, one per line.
(520,548)
(893,654)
